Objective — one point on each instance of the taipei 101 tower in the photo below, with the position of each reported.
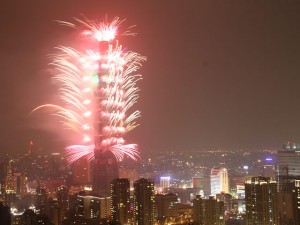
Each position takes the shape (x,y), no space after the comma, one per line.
(105,163)
(114,93)
(99,90)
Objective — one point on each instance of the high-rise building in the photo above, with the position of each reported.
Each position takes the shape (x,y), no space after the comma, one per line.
(144,202)
(41,200)
(81,171)
(296,202)
(208,211)
(261,201)
(120,201)
(198,210)
(227,199)
(289,204)
(63,202)
(288,160)
(201,186)
(88,207)
(52,211)
(11,180)
(164,203)
(214,212)
(219,181)
(165,182)
(104,172)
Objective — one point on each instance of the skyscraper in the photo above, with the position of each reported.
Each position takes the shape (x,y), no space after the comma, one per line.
(81,172)
(165,182)
(261,201)
(208,211)
(296,202)
(105,163)
(144,202)
(104,172)
(289,204)
(120,201)
(198,210)
(63,201)
(213,212)
(288,166)
(164,203)
(219,180)
(41,200)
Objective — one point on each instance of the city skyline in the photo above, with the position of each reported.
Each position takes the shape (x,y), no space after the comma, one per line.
(217,74)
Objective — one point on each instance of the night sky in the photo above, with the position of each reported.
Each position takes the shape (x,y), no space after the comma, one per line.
(219,74)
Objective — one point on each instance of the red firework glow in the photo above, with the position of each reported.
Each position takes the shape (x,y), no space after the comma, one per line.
(98,87)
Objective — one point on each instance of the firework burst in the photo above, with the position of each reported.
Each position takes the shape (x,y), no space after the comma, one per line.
(98,87)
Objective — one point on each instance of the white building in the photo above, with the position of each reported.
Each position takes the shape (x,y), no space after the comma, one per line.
(219,181)
(165,182)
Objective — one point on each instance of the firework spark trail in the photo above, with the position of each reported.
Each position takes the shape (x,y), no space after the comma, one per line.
(98,89)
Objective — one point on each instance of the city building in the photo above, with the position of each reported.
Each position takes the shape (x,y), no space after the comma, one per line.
(144,202)
(198,210)
(92,207)
(52,211)
(81,171)
(120,201)
(289,205)
(261,201)
(208,211)
(288,160)
(201,185)
(214,212)
(219,181)
(164,203)
(41,200)
(164,182)
(227,199)
(105,170)
(182,212)
(63,202)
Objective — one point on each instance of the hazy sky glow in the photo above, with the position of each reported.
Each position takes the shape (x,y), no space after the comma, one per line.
(219,73)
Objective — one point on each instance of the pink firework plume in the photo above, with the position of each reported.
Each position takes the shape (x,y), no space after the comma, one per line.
(98,88)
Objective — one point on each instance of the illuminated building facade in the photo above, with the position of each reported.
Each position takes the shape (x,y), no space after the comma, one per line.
(214,212)
(90,207)
(288,166)
(208,211)
(261,201)
(120,201)
(164,203)
(198,210)
(144,202)
(165,182)
(219,180)
(81,172)
(41,200)
(63,202)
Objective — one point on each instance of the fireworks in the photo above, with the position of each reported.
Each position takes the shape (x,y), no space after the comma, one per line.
(98,88)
